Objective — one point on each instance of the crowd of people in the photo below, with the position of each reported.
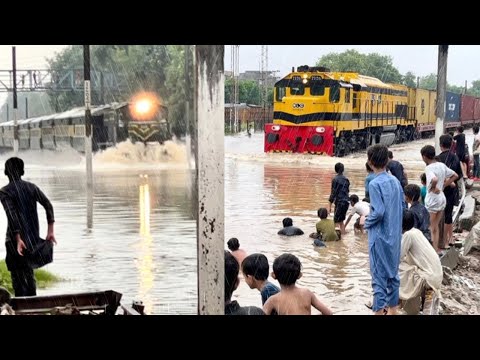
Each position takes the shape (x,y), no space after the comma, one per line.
(402,222)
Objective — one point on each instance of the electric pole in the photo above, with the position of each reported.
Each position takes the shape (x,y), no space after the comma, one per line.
(441,94)
(15,104)
(88,131)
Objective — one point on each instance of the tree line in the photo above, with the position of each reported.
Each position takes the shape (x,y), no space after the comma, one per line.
(160,68)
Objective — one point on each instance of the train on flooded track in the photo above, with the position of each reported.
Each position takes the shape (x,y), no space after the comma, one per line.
(317,111)
(144,119)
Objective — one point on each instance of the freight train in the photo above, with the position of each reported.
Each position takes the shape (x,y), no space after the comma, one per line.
(317,111)
(142,120)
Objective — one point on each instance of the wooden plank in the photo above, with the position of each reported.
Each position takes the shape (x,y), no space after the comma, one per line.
(110,300)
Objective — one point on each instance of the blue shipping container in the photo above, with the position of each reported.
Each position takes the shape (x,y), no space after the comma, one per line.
(452,107)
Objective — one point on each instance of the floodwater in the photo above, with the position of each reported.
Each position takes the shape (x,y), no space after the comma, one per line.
(262,189)
(139,238)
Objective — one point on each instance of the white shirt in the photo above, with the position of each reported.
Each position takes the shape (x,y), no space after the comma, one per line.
(419,265)
(436,202)
(361,208)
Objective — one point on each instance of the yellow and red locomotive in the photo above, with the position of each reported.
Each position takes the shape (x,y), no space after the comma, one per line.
(335,113)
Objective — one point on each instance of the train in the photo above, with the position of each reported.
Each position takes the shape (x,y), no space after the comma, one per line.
(140,120)
(317,111)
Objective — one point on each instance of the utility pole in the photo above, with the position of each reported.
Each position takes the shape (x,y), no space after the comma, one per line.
(441,94)
(418,82)
(440,113)
(102,89)
(88,127)
(236,75)
(465,87)
(26,107)
(210,107)
(187,102)
(264,75)
(15,104)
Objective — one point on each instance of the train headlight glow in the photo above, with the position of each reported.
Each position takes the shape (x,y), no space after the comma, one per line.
(276,127)
(320,130)
(144,106)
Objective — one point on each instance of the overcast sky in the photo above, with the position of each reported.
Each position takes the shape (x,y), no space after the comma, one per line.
(463,60)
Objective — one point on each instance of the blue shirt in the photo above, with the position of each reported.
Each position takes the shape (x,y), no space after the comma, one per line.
(369,178)
(384,225)
(268,290)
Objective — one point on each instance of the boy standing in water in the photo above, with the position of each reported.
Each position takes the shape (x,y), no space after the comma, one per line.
(234,246)
(255,271)
(292,300)
(384,226)
(339,196)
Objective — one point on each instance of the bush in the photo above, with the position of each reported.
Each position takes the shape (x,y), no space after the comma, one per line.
(43,277)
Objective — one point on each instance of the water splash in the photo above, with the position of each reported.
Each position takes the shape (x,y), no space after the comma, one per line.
(171,153)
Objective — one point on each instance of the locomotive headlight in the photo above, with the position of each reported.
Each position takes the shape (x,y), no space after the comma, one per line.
(144,106)
(320,129)
(276,127)
(305,81)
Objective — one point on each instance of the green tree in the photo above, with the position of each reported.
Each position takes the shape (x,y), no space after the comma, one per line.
(456,89)
(410,80)
(134,68)
(429,82)
(373,64)
(249,92)
(474,89)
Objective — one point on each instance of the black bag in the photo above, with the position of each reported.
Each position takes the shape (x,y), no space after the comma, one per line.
(39,252)
(40,255)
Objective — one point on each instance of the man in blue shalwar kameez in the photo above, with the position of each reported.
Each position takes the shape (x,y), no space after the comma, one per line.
(384,226)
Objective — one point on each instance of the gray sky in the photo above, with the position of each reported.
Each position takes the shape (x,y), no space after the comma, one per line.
(28,57)
(463,60)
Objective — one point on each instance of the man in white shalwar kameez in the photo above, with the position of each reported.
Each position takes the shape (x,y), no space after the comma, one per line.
(420,265)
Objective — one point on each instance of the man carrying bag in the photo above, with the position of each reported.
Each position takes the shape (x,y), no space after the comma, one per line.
(25,249)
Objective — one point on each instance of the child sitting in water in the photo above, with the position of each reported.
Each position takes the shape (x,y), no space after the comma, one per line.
(325,227)
(292,300)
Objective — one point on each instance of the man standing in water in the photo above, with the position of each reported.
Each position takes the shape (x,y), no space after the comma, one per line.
(384,226)
(19,199)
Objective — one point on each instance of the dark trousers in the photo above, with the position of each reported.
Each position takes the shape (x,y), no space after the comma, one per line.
(23,282)
(476,166)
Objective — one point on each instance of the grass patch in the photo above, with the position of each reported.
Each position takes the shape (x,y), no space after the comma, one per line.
(43,277)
